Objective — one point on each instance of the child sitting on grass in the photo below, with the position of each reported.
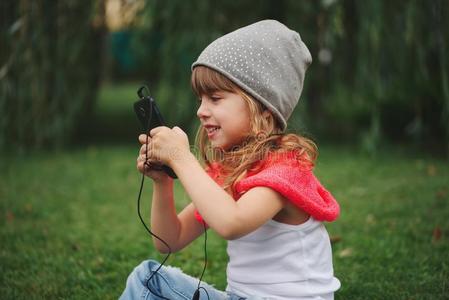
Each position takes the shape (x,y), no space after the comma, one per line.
(256,188)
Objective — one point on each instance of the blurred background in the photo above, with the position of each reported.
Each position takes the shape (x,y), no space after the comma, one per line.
(379,74)
(376,101)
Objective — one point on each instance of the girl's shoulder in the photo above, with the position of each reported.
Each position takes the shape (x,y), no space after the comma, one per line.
(288,173)
(293,178)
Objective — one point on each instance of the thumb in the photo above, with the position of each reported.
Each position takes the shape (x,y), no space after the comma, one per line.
(177,129)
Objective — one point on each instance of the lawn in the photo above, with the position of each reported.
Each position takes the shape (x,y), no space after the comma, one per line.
(69,227)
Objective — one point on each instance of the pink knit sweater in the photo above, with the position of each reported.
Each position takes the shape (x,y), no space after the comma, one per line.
(285,174)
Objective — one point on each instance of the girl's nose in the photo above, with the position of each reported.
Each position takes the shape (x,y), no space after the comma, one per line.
(203,111)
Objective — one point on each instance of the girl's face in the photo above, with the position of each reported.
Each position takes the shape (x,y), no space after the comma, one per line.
(225,116)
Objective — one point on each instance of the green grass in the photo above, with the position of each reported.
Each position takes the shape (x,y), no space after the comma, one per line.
(69,228)
(393,209)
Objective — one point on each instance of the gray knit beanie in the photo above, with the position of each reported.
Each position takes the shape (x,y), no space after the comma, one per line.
(265,59)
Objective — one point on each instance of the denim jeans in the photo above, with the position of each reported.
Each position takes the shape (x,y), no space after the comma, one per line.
(170,283)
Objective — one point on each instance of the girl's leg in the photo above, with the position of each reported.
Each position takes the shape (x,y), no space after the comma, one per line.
(168,282)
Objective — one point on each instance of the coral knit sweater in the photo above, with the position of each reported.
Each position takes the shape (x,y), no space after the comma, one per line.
(284,173)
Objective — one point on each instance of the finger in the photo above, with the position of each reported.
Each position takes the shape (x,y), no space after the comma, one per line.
(177,129)
(143,159)
(140,166)
(143,138)
(153,166)
(144,148)
(144,165)
(150,153)
(158,129)
(140,159)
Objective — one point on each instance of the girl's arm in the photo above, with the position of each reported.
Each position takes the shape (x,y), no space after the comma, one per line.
(176,230)
(230,219)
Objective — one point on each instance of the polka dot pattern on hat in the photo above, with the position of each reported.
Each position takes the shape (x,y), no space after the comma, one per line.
(265,59)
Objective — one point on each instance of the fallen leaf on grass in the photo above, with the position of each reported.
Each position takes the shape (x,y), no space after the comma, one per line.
(345,252)
(9,216)
(436,235)
(441,194)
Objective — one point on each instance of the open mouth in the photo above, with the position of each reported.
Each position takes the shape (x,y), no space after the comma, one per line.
(211,130)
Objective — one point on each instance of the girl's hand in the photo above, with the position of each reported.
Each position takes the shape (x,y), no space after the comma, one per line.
(168,145)
(147,167)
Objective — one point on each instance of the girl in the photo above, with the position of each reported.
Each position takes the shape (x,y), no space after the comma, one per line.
(256,188)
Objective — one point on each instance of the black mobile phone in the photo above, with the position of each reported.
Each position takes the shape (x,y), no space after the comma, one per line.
(150,117)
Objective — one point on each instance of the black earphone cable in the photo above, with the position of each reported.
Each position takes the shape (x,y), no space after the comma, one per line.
(196,295)
(157,237)
(147,283)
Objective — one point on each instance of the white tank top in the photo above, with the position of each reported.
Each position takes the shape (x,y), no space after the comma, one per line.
(282,262)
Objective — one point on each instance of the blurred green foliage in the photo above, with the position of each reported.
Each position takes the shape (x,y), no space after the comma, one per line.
(379,75)
(50,69)
(379,71)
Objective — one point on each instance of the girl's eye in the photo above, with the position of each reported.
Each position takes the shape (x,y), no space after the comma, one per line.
(212,98)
